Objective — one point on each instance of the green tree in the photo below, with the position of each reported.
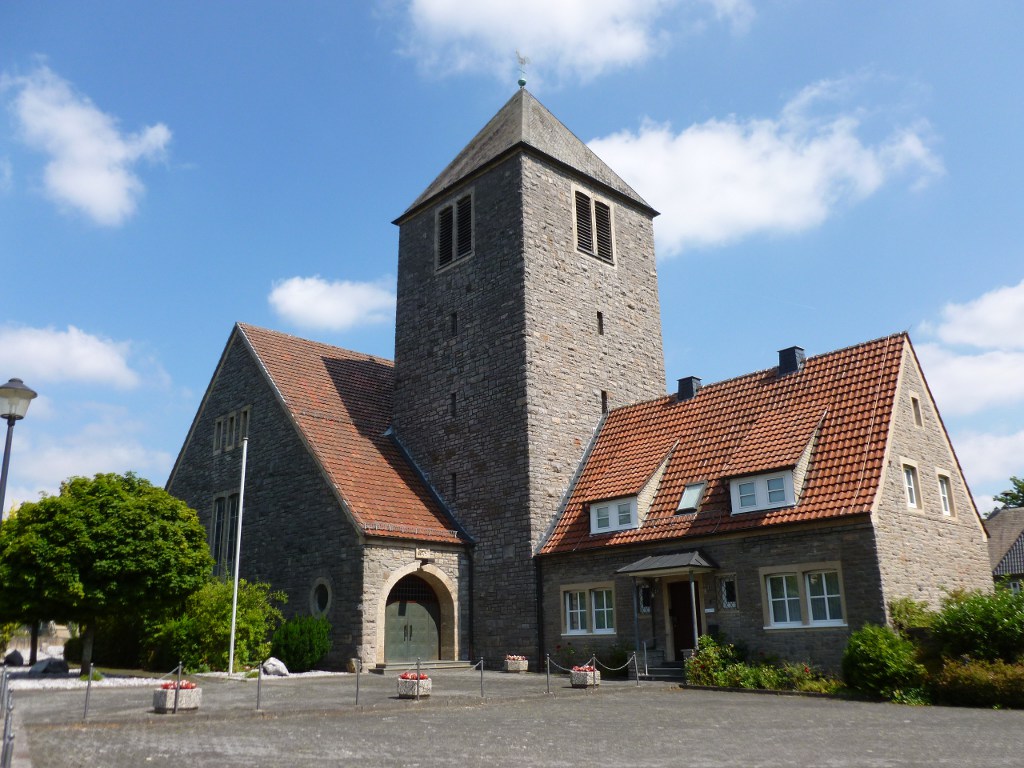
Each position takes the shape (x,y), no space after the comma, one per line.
(107,546)
(1014,497)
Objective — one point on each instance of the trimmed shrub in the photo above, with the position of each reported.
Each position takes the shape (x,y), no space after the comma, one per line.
(709,662)
(982,625)
(907,613)
(301,642)
(879,662)
(979,684)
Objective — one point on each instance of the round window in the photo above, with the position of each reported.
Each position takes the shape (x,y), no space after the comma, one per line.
(320,597)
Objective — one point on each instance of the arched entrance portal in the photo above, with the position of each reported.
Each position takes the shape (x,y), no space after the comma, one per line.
(412,621)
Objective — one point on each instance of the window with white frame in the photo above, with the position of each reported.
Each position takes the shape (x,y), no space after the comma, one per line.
(804,596)
(727,592)
(912,486)
(946,495)
(594,233)
(589,610)
(690,500)
(757,492)
(613,515)
(455,231)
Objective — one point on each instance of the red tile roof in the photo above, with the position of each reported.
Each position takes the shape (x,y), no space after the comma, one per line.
(754,423)
(341,403)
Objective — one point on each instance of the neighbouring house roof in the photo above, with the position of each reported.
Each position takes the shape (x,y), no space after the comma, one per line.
(1006,541)
(840,402)
(340,401)
(525,122)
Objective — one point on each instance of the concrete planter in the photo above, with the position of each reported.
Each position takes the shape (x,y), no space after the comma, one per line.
(584,679)
(188,698)
(516,665)
(407,688)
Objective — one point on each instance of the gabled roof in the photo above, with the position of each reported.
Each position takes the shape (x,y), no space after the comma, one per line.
(1005,528)
(755,423)
(340,401)
(525,122)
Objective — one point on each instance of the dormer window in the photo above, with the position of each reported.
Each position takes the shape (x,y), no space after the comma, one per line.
(757,492)
(455,231)
(692,495)
(613,515)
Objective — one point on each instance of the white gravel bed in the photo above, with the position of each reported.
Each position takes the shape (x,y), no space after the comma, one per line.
(23,680)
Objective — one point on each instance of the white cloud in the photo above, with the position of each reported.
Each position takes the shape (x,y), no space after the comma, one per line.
(312,302)
(574,38)
(990,459)
(994,320)
(46,354)
(967,384)
(108,443)
(720,181)
(91,161)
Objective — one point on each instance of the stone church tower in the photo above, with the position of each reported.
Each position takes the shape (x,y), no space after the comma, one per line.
(527,307)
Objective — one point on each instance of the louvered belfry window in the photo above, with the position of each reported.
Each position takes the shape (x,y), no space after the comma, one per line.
(594,218)
(455,231)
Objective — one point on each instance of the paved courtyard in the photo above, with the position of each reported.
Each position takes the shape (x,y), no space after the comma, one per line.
(316,722)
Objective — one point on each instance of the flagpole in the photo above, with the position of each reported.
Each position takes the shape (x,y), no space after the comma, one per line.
(238,553)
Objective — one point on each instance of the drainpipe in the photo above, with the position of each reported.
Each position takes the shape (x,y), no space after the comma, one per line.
(693,608)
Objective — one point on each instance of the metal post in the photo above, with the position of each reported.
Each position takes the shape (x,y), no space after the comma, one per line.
(636,668)
(177,688)
(593,665)
(359,670)
(481,677)
(238,557)
(259,685)
(547,666)
(88,688)
(417,678)
(8,731)
(647,670)
(693,610)
(7,462)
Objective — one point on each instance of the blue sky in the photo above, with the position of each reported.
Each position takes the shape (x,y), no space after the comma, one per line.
(826,172)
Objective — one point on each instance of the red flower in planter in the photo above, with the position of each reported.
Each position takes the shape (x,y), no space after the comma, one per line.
(584,668)
(186,685)
(412,676)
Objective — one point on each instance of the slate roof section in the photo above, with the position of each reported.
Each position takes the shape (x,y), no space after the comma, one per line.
(341,403)
(525,122)
(755,423)
(1005,528)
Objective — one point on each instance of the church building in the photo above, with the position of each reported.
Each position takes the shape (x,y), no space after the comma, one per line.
(517,478)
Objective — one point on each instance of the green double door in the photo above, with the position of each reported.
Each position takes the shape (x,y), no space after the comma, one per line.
(412,622)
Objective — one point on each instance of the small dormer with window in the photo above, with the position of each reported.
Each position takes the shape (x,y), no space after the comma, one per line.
(754,493)
(613,515)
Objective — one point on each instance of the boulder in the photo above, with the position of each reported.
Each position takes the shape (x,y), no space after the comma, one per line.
(50,667)
(14,659)
(275,667)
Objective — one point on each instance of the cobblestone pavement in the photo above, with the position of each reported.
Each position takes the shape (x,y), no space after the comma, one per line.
(316,722)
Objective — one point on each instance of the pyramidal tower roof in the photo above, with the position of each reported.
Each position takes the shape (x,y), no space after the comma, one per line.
(525,123)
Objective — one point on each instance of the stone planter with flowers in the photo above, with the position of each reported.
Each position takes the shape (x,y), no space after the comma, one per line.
(584,677)
(410,685)
(189,697)
(515,663)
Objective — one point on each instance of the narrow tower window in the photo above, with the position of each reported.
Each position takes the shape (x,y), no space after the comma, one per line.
(452,406)
(600,324)
(455,231)
(604,401)
(454,328)
(594,227)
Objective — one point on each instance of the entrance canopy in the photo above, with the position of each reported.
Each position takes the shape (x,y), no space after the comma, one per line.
(671,564)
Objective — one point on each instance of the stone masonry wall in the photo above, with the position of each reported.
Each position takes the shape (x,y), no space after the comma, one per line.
(851,545)
(923,553)
(294,534)
(483,443)
(526,366)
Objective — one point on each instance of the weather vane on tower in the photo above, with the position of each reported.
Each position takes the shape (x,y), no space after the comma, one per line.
(523,61)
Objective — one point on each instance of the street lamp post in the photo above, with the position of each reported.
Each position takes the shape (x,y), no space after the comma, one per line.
(14,400)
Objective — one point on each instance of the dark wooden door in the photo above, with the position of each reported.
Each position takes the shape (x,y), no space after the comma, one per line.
(681,612)
(412,622)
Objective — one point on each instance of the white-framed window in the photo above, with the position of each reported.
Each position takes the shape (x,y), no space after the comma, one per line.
(454,228)
(594,226)
(690,500)
(589,609)
(946,494)
(756,492)
(727,592)
(1015,587)
(613,515)
(911,485)
(806,595)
